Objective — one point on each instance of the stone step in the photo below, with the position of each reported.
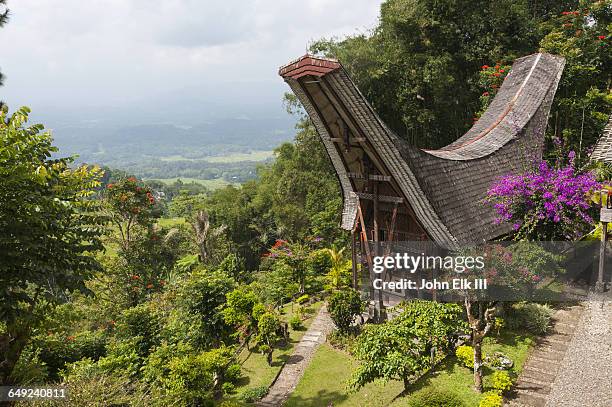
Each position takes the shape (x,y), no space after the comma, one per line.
(557,338)
(541,376)
(530,399)
(533,385)
(542,366)
(554,345)
(548,355)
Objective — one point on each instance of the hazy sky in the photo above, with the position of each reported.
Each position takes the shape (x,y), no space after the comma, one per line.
(193,58)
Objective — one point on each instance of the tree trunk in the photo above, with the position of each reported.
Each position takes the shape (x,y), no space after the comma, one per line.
(269,358)
(406,384)
(11,346)
(477,345)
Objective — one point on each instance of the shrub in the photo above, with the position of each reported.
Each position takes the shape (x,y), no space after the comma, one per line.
(303,299)
(531,316)
(344,307)
(501,381)
(254,394)
(229,403)
(57,350)
(342,340)
(228,388)
(465,355)
(431,397)
(491,399)
(295,323)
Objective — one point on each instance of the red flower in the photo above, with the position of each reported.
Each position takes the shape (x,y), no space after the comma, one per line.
(135,277)
(485,94)
(151,198)
(601,37)
(565,13)
(132,179)
(109,186)
(149,285)
(501,70)
(496,74)
(485,66)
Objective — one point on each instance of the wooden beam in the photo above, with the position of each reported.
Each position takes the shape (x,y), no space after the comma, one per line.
(371,177)
(381,198)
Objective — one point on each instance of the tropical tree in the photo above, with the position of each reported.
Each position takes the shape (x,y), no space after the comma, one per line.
(344,307)
(404,347)
(49,230)
(339,274)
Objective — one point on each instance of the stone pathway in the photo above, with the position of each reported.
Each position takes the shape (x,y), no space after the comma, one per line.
(295,366)
(585,376)
(572,365)
(542,366)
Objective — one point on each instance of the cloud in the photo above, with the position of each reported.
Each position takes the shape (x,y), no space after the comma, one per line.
(142,54)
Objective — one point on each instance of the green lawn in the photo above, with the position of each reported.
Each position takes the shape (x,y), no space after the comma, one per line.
(254,366)
(449,375)
(258,155)
(170,222)
(208,183)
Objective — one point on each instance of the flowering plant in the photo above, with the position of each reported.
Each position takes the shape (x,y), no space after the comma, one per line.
(547,203)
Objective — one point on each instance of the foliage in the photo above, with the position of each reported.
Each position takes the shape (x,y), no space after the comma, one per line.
(344,307)
(302,299)
(431,397)
(465,355)
(581,33)
(420,66)
(55,351)
(41,261)
(268,326)
(197,317)
(339,274)
(242,310)
(105,390)
(545,203)
(254,394)
(340,340)
(406,346)
(295,322)
(531,316)
(491,399)
(501,381)
(130,204)
(491,79)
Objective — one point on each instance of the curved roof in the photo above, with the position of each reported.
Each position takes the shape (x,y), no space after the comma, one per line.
(444,187)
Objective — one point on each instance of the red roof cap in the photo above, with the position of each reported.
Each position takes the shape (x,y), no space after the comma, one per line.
(308,65)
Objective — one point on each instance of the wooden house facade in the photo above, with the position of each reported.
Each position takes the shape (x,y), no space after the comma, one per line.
(393,191)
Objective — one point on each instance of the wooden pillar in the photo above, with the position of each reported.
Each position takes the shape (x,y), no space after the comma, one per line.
(600,285)
(380,305)
(354,259)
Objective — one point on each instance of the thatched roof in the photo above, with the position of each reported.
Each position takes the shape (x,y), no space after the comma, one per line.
(603,147)
(443,188)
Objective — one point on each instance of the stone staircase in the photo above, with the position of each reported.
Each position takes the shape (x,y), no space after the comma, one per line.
(539,372)
(294,368)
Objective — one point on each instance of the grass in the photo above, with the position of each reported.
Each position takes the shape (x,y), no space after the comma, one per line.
(208,183)
(257,155)
(255,368)
(449,375)
(171,222)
